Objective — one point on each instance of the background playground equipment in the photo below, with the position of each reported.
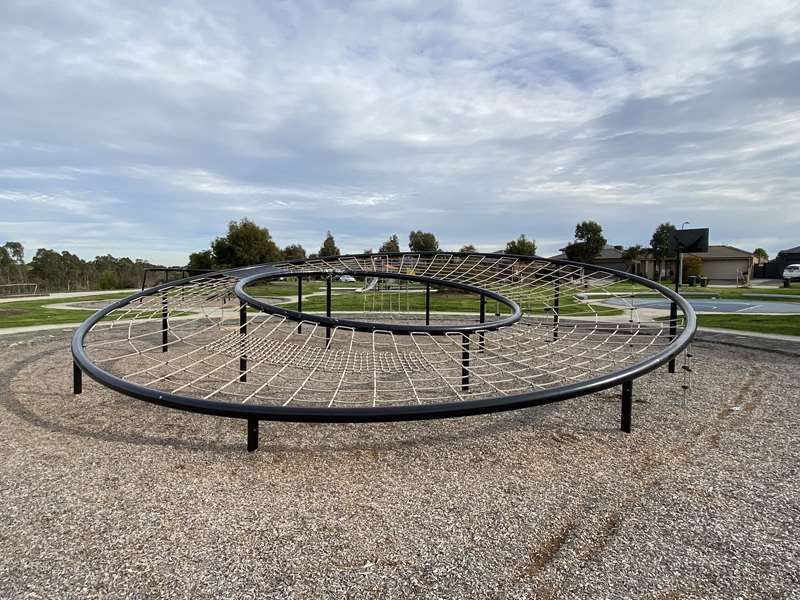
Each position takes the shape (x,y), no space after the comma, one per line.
(242,357)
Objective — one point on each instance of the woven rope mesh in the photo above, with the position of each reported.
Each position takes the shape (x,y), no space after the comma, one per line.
(600,330)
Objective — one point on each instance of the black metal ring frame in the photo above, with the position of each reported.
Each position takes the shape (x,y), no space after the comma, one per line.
(516,311)
(254,413)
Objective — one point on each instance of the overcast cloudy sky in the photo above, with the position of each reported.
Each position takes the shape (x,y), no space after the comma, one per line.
(141,128)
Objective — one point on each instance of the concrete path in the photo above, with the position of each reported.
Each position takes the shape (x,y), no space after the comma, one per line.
(59,295)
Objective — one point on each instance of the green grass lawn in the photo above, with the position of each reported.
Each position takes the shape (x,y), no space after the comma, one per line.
(770,294)
(440,302)
(36,312)
(781,324)
(289,287)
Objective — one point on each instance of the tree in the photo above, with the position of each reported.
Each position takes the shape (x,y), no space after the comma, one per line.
(329,246)
(12,259)
(245,244)
(204,259)
(420,241)
(467,248)
(521,245)
(661,238)
(5,264)
(390,245)
(589,241)
(692,265)
(761,254)
(294,252)
(631,256)
(16,251)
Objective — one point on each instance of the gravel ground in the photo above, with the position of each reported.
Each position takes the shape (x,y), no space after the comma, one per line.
(105,496)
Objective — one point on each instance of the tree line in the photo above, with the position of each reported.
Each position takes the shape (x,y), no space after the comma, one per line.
(246,243)
(64,271)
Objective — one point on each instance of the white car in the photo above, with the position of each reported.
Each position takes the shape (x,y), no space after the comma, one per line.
(791,272)
(348,278)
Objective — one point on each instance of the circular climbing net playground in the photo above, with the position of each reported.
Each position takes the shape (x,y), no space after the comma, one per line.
(382,337)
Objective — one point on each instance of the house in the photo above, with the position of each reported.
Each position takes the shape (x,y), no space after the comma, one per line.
(609,256)
(721,264)
(774,268)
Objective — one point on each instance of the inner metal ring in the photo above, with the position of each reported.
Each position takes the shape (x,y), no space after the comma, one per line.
(366,326)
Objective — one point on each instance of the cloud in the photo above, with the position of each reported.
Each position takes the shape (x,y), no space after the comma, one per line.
(476,121)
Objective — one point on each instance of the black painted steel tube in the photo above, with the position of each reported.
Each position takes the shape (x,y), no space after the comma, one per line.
(465,364)
(673,309)
(556,302)
(242,341)
(328,308)
(299,299)
(402,329)
(673,328)
(164,321)
(481,344)
(427,304)
(379,413)
(252,434)
(77,378)
(627,406)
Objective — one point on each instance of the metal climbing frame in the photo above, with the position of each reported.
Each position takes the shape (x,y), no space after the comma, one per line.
(212,344)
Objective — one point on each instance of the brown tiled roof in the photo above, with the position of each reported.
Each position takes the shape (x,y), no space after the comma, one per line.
(723,251)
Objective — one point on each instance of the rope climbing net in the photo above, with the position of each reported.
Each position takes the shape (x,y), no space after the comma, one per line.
(462,334)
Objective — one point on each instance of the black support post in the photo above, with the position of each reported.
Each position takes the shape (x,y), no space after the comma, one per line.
(252,434)
(242,341)
(77,379)
(481,344)
(673,307)
(627,406)
(164,322)
(328,309)
(427,304)
(299,299)
(556,301)
(465,364)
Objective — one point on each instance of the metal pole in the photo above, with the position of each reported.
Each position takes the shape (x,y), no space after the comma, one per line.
(465,364)
(77,379)
(164,322)
(252,434)
(556,300)
(299,299)
(673,308)
(242,341)
(627,406)
(328,309)
(427,304)
(482,320)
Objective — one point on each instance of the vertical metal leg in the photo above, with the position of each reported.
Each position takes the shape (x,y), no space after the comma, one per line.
(77,379)
(164,322)
(673,329)
(299,299)
(328,309)
(556,301)
(427,304)
(481,344)
(627,406)
(252,434)
(465,364)
(242,341)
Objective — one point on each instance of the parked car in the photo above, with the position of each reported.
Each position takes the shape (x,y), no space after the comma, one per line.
(348,278)
(791,272)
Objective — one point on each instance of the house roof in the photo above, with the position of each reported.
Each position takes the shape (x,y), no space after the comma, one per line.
(608,252)
(723,251)
(795,250)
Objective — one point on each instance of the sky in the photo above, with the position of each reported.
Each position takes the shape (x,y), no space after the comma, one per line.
(141,128)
